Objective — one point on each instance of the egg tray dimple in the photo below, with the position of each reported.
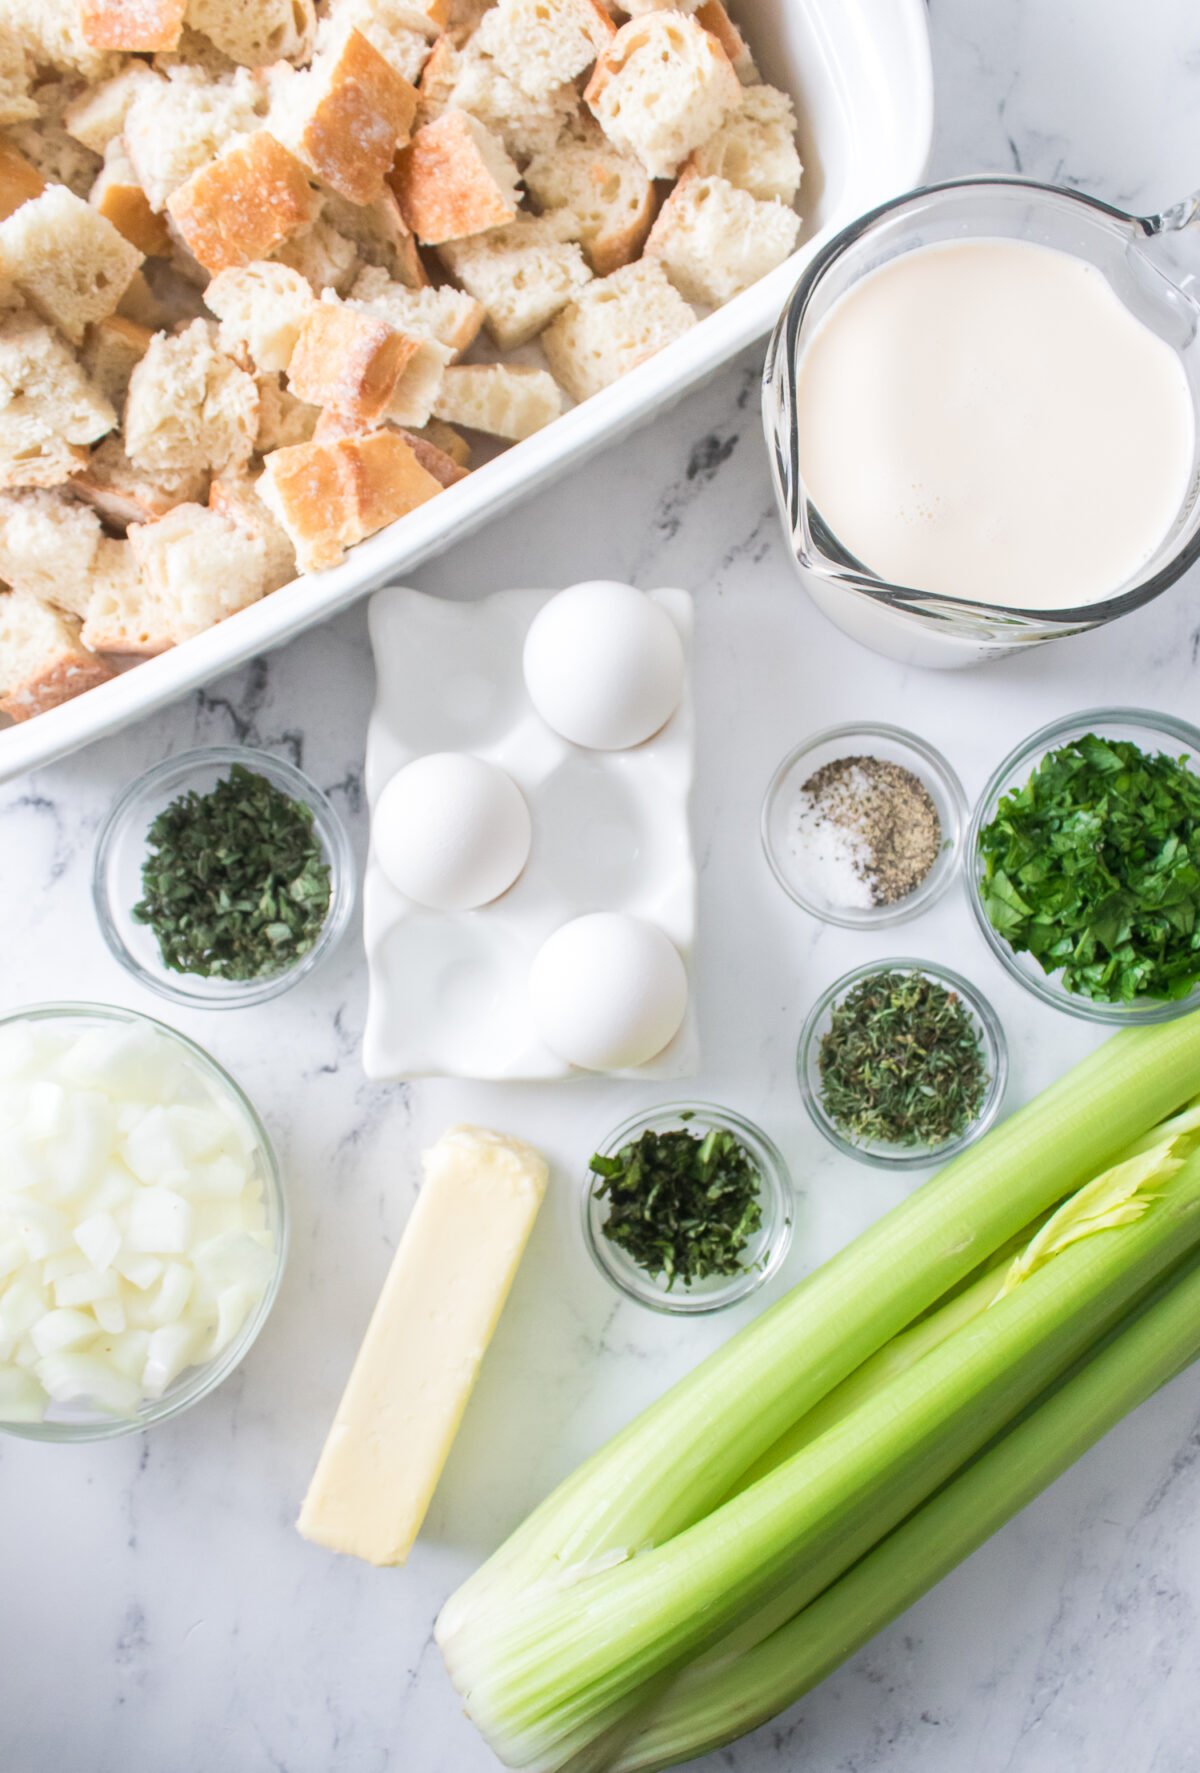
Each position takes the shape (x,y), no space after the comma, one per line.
(448,991)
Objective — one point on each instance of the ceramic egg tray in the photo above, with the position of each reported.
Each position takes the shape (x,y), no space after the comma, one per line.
(448,990)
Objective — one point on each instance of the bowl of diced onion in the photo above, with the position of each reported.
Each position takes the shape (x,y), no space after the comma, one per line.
(143,1227)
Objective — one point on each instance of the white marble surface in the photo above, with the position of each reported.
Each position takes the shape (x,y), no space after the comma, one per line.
(159,1614)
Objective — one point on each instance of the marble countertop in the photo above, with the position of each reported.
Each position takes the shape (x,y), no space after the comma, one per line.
(160,1615)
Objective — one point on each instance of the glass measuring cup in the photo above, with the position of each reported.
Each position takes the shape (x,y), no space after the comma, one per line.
(904,622)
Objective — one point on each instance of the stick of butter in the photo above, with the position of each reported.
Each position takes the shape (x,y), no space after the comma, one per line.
(417,1365)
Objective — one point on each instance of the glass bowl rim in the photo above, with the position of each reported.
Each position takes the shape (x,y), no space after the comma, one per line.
(241,994)
(777,1191)
(209,1375)
(995,1049)
(1022,758)
(946,865)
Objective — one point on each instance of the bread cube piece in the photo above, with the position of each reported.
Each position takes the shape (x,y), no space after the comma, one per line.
(235,498)
(504,399)
(755,147)
(468,79)
(639,8)
(122,615)
(449,441)
(47,545)
(45,143)
(69,263)
(713,16)
(97,115)
(282,419)
(256,33)
(17,103)
(200,567)
(323,257)
(417,390)
(20,180)
(613,325)
(346,116)
(603,198)
(388,26)
(522,274)
(714,241)
(348,360)
(138,25)
(450,316)
(117,196)
(445,470)
(52,33)
(328,496)
(122,494)
(177,125)
(261,307)
(380,235)
(661,88)
(42,661)
(455,179)
(48,408)
(112,348)
(244,204)
(542,44)
(189,407)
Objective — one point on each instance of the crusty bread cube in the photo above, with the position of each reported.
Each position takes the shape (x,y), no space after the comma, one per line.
(465,16)
(282,419)
(97,115)
(20,180)
(46,143)
(17,103)
(69,263)
(255,33)
(755,147)
(504,399)
(613,325)
(111,350)
(47,545)
(445,470)
(451,442)
(713,16)
(42,661)
(346,116)
(118,197)
(380,234)
(243,204)
(261,307)
(522,274)
(542,44)
(139,25)
(328,496)
(189,407)
(661,88)
(348,360)
(122,616)
(714,241)
(52,33)
(449,315)
(400,30)
(48,408)
(122,494)
(417,390)
(323,257)
(468,79)
(201,567)
(234,497)
(179,124)
(604,198)
(454,179)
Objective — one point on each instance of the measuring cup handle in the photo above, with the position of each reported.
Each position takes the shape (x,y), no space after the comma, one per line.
(1184,214)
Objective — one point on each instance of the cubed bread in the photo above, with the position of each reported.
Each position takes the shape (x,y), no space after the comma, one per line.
(243,204)
(189,407)
(755,147)
(417,390)
(542,44)
(465,16)
(200,567)
(663,86)
(522,275)
(454,179)
(118,197)
(346,116)
(328,496)
(255,33)
(46,144)
(714,241)
(97,116)
(282,419)
(17,103)
(122,494)
(52,33)
(233,497)
(613,325)
(380,234)
(48,409)
(70,263)
(111,350)
(446,314)
(445,470)
(401,30)
(323,257)
(603,197)
(445,438)
(261,307)
(713,16)
(348,360)
(47,545)
(122,616)
(142,26)
(639,8)
(42,660)
(468,79)
(20,180)
(179,124)
(504,399)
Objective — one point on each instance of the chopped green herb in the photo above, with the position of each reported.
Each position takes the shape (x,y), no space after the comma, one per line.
(1093,867)
(235,882)
(683,1205)
(902,1062)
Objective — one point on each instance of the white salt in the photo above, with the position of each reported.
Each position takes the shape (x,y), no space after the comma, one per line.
(829,862)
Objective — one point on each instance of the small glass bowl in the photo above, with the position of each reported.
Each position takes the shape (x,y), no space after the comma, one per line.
(72,1422)
(122,849)
(877,1151)
(1149,731)
(766,1249)
(891,744)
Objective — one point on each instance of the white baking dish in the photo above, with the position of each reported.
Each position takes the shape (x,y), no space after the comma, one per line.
(860,74)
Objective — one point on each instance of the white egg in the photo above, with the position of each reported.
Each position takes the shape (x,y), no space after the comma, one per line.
(604,665)
(608,991)
(451,831)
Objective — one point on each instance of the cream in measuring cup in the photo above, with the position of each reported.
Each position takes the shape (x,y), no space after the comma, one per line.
(987,419)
